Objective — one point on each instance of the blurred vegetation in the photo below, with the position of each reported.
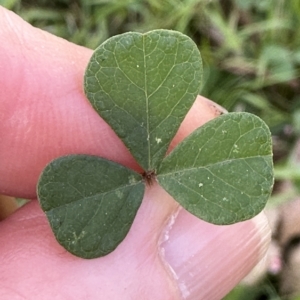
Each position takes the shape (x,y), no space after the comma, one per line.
(250,50)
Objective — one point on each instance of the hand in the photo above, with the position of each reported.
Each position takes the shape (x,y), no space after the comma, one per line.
(168,253)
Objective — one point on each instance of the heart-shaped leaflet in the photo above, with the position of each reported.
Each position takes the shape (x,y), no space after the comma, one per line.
(90,202)
(223,171)
(143,85)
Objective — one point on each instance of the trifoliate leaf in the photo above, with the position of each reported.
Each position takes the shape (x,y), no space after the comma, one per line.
(90,202)
(143,85)
(223,172)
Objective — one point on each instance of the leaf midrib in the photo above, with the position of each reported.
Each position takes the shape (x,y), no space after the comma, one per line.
(212,164)
(94,195)
(147,105)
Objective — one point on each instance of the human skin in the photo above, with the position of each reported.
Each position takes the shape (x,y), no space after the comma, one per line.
(168,253)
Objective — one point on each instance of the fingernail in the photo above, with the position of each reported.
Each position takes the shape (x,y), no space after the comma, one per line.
(206,260)
(219,110)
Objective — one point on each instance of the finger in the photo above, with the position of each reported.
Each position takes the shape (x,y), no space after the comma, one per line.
(44,113)
(184,258)
(208,261)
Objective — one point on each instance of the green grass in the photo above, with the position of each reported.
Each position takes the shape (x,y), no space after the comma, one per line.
(250,49)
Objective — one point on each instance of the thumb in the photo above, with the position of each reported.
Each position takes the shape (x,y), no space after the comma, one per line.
(208,261)
(167,255)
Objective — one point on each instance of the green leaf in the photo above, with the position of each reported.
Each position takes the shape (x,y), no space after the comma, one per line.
(143,85)
(223,172)
(90,202)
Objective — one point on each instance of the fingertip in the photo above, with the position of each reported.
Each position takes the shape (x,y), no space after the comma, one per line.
(207,261)
(44,111)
